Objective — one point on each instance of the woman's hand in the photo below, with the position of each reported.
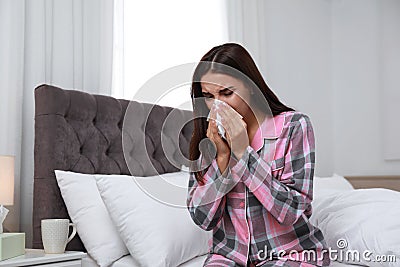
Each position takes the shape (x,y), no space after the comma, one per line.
(235,130)
(223,149)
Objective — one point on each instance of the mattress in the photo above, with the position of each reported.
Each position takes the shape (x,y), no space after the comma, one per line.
(196,262)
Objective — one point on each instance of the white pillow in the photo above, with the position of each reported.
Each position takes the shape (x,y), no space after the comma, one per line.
(87,211)
(323,186)
(155,233)
(366,219)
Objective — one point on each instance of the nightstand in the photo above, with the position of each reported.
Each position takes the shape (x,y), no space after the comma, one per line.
(37,258)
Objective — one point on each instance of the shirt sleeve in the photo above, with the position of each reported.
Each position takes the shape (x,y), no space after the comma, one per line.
(206,203)
(286,199)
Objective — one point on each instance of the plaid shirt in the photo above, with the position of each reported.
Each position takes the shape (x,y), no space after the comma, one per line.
(262,203)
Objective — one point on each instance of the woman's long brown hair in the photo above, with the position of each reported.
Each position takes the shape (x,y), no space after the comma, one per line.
(235,56)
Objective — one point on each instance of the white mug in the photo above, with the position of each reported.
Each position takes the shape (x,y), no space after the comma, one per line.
(55,235)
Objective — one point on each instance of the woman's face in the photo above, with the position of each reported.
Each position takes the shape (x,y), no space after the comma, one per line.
(228,89)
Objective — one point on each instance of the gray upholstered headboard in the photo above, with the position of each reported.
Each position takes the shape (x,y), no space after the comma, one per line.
(84,133)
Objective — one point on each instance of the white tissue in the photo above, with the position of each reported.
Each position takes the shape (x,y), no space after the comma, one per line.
(3,214)
(221,129)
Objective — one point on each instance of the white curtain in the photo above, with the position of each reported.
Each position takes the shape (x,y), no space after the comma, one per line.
(246,26)
(11,93)
(66,43)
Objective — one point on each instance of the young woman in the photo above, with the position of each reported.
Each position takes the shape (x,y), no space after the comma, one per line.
(253,186)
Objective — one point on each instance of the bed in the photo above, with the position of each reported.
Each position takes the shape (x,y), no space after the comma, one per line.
(100,136)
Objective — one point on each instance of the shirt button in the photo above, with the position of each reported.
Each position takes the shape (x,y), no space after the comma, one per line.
(241,204)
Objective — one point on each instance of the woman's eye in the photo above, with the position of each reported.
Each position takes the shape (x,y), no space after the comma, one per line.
(228,92)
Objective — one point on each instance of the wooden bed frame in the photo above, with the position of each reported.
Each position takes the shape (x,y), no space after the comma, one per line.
(373,181)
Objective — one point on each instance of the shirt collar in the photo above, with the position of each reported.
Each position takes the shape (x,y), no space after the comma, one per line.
(270,128)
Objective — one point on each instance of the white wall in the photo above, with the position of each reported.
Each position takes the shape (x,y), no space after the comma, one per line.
(390,69)
(326,58)
(297,66)
(358,58)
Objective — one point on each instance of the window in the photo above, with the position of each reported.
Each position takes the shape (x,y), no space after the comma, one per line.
(157,35)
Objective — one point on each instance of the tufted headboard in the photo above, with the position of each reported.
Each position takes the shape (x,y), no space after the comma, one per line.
(86,133)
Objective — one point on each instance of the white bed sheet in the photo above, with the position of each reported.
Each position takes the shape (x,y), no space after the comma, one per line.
(128,261)
(123,262)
